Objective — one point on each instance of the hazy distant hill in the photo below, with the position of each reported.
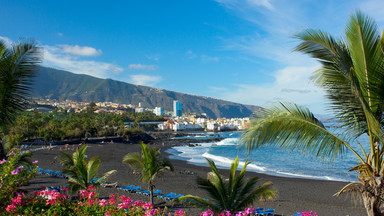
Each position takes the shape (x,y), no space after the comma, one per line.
(58,84)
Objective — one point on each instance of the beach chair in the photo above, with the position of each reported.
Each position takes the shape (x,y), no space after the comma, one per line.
(133,189)
(143,192)
(47,171)
(267,212)
(258,210)
(147,192)
(127,187)
(168,195)
(156,192)
(174,197)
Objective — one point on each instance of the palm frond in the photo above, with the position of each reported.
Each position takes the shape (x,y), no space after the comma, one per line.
(232,195)
(18,65)
(293,127)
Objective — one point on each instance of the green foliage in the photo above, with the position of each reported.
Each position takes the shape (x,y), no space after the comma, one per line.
(14,173)
(61,126)
(149,164)
(81,173)
(18,65)
(352,75)
(231,195)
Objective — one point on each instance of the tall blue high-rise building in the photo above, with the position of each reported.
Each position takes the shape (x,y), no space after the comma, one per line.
(177,109)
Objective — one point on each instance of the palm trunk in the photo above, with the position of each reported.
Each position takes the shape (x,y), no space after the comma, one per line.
(371,204)
(373,196)
(150,188)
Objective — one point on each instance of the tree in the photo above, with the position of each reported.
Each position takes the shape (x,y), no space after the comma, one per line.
(81,173)
(352,75)
(149,164)
(230,195)
(18,64)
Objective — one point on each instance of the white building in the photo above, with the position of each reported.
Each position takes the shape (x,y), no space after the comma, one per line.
(158,111)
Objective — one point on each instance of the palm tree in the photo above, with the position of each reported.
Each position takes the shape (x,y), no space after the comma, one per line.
(18,64)
(81,173)
(352,75)
(232,194)
(149,164)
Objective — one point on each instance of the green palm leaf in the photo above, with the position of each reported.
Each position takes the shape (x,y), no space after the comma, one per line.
(18,65)
(149,164)
(81,173)
(352,75)
(232,195)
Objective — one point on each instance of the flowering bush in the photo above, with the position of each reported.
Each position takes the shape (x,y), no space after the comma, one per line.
(58,203)
(13,175)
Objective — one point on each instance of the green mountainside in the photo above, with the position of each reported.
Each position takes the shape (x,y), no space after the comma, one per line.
(62,85)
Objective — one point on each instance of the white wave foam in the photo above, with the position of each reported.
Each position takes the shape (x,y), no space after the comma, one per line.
(226,162)
(229,141)
(286,174)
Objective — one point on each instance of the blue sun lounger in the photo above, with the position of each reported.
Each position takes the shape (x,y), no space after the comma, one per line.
(267,212)
(133,189)
(174,197)
(127,187)
(258,210)
(168,195)
(147,192)
(143,192)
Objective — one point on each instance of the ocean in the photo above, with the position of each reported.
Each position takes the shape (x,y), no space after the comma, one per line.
(267,160)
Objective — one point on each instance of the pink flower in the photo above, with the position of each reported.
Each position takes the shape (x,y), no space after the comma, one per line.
(35,162)
(179,212)
(83,193)
(11,153)
(207,213)
(10,208)
(91,188)
(148,206)
(91,195)
(103,202)
(240,214)
(112,199)
(3,161)
(228,213)
(17,170)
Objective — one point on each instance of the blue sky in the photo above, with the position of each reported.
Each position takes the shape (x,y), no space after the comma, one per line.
(239,51)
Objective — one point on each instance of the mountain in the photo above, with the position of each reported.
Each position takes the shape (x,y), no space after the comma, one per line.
(62,85)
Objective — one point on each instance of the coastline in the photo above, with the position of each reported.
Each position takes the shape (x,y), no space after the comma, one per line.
(294,194)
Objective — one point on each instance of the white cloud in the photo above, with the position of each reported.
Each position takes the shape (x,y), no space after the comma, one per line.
(80,50)
(142,67)
(233,4)
(291,84)
(141,79)
(54,57)
(203,58)
(206,59)
(265,3)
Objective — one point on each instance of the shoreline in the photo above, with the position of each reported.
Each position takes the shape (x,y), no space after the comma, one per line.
(294,194)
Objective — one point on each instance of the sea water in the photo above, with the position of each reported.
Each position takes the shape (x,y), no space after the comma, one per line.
(267,159)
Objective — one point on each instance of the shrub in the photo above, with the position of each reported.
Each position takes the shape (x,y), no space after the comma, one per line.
(14,173)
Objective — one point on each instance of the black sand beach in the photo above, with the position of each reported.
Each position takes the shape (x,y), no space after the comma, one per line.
(294,195)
